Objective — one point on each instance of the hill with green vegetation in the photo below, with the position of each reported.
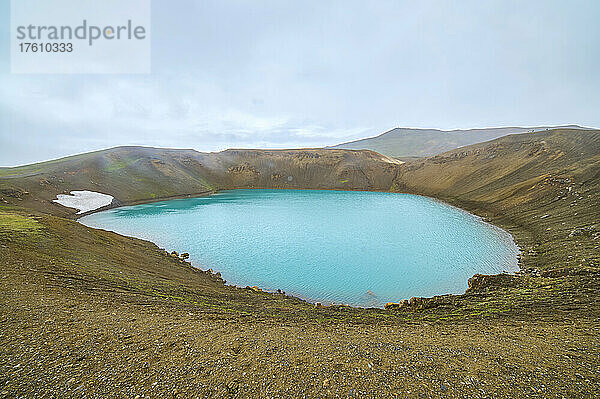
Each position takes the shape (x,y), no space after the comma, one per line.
(407,143)
(88,312)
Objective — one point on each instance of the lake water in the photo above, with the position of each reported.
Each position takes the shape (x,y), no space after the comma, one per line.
(358,248)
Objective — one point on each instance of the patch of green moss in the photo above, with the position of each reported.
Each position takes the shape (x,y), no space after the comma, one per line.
(120,164)
(9,172)
(12,222)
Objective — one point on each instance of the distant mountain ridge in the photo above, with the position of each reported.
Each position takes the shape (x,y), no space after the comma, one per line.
(405,143)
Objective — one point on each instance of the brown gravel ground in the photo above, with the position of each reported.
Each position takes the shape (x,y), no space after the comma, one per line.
(89,313)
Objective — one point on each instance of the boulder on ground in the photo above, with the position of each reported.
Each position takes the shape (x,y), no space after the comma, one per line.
(483,281)
(396,305)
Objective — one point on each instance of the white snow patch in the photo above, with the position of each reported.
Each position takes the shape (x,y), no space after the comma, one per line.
(84,201)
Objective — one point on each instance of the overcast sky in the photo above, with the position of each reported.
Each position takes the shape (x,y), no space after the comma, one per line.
(313,73)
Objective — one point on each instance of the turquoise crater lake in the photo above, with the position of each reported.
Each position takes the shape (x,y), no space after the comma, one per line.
(358,248)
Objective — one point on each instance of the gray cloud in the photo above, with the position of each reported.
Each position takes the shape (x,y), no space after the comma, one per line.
(282,74)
